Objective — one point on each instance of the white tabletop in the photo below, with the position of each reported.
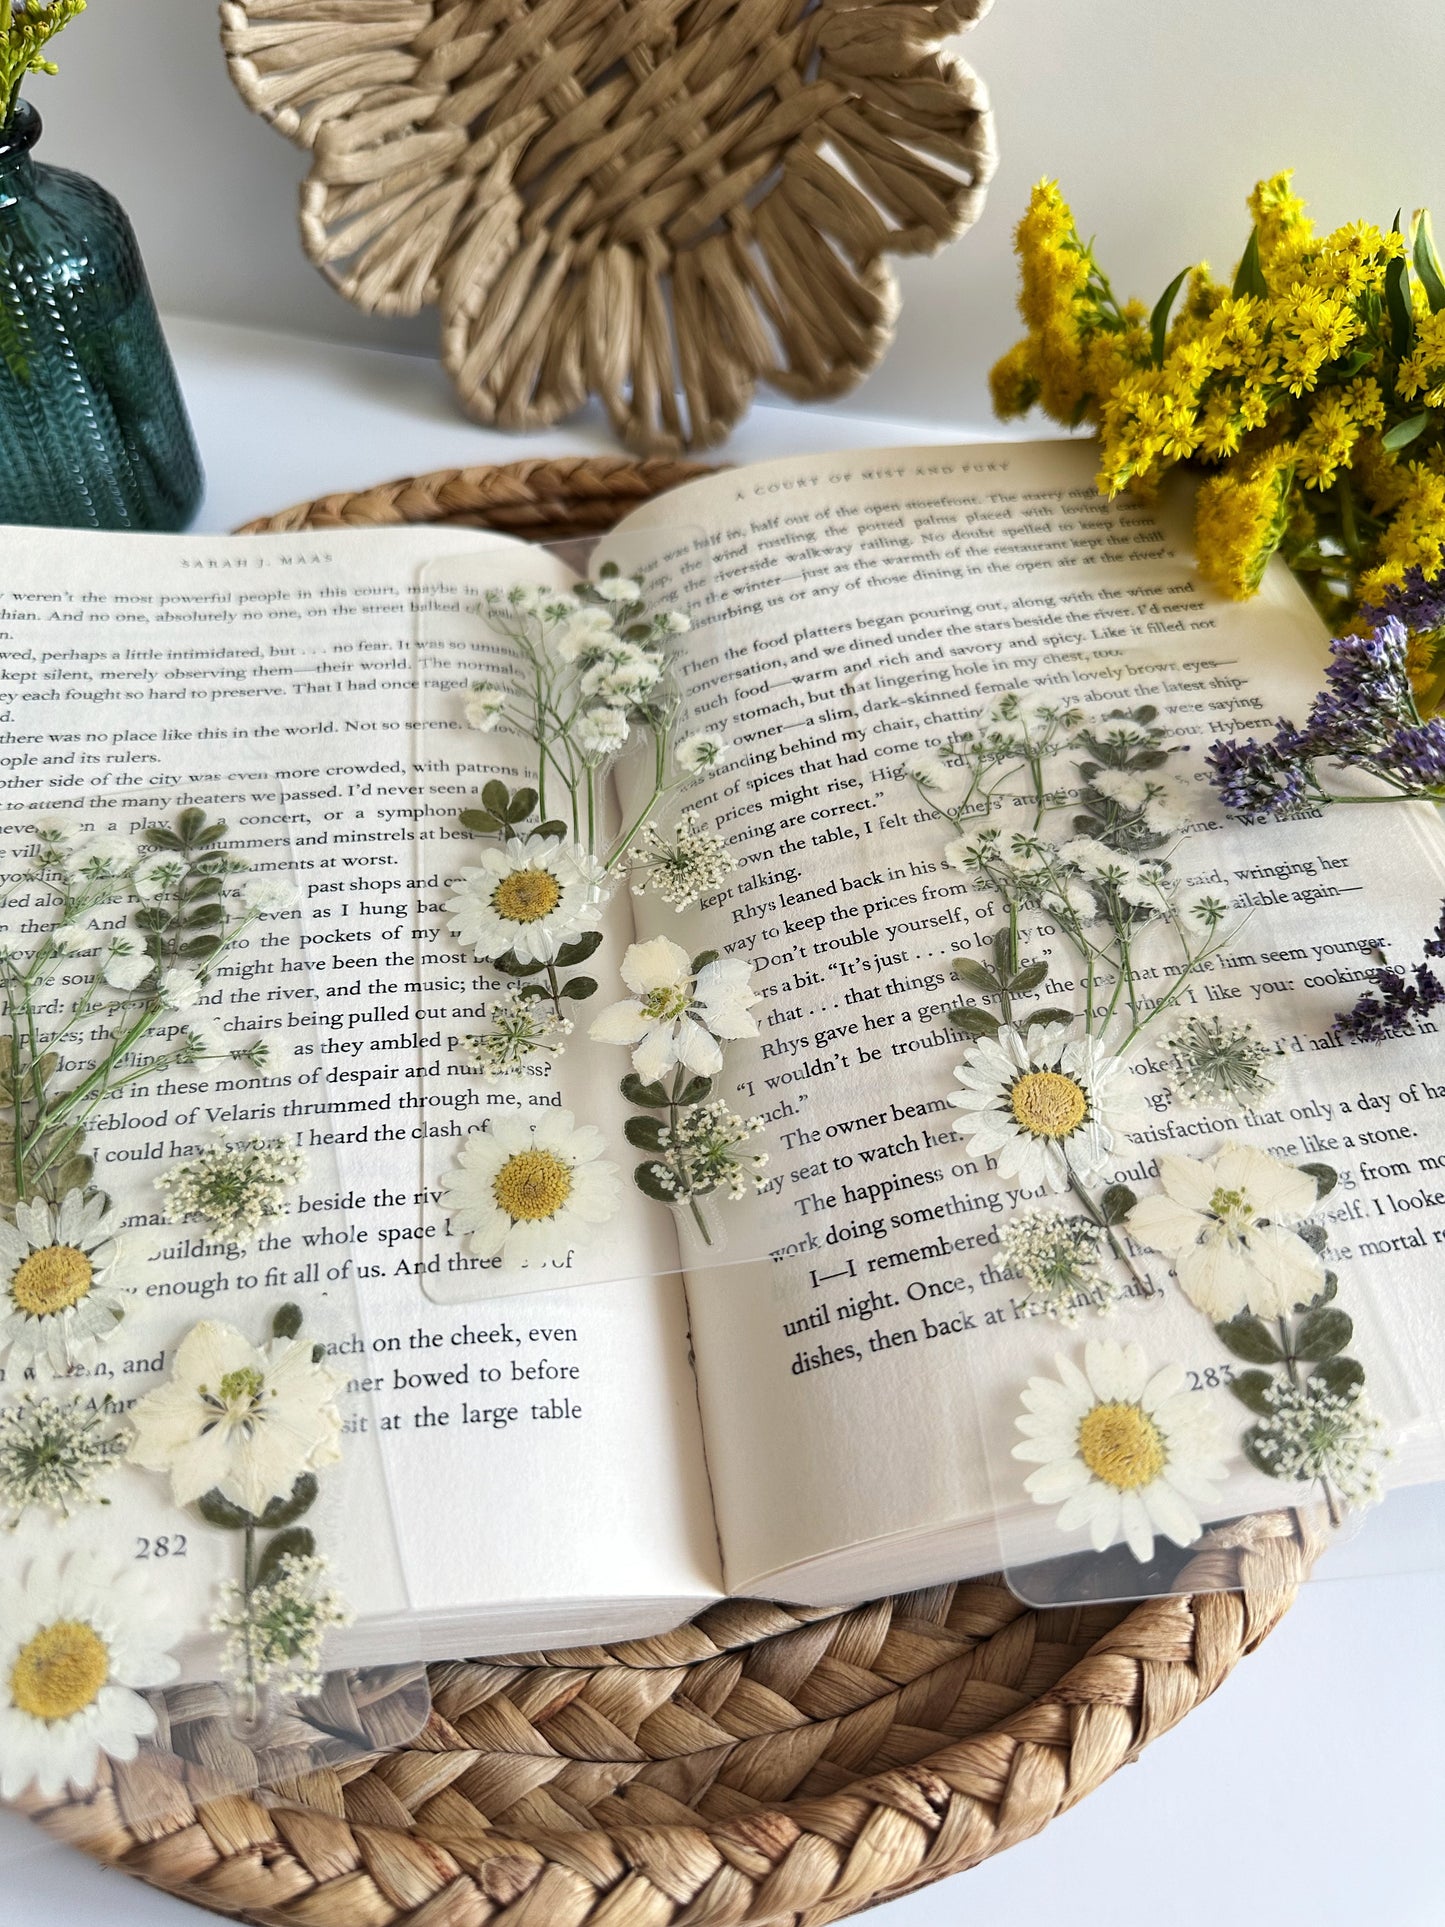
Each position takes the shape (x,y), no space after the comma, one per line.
(1310,1791)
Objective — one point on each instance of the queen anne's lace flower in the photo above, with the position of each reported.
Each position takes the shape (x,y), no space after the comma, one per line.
(684,866)
(274,1635)
(1059,1260)
(1215,1062)
(235,1187)
(1313,1432)
(519,1030)
(54,1452)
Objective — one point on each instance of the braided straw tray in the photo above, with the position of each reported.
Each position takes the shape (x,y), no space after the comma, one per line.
(764,1764)
(625,198)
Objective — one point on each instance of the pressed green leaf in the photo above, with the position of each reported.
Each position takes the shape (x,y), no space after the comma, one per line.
(496,798)
(523,803)
(1146,712)
(1029,978)
(287,1322)
(153,918)
(285,1512)
(160,839)
(481,821)
(204,916)
(1343,1376)
(219,1511)
(554,826)
(651,1096)
(973,1023)
(198,948)
(1427,262)
(1326,1177)
(1320,1334)
(703,959)
(1050,1014)
(1148,759)
(977,974)
(1249,1445)
(1316,1236)
(1116,1204)
(1251,1389)
(206,839)
(645,1133)
(1249,1338)
(1405,432)
(579,989)
(510,965)
(695,1091)
(72,1174)
(579,949)
(1159,319)
(297,1543)
(646,1178)
(1249,275)
(190,823)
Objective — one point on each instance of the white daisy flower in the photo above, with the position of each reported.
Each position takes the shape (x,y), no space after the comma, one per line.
(530,1190)
(483,708)
(60,1282)
(673,1017)
(126,965)
(1124,1454)
(77,1639)
(158,873)
(582,634)
(179,988)
(600,733)
(1223,1222)
(618,588)
(1045,1106)
(75,939)
(701,751)
(237,1418)
(269,894)
(101,855)
(527,898)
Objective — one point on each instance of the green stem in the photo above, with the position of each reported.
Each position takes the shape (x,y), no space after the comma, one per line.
(1097,1215)
(658,786)
(679,1078)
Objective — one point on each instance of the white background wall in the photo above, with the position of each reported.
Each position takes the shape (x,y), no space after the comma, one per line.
(1157,116)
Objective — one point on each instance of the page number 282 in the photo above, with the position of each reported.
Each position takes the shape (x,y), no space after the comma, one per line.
(170,1545)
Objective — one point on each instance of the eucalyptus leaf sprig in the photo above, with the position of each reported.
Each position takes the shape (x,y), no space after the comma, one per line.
(26,28)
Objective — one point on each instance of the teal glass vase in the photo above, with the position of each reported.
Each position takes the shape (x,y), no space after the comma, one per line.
(93,431)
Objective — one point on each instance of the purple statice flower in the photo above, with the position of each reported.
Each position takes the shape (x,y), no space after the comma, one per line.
(1419,604)
(1257,780)
(1398,998)
(1416,755)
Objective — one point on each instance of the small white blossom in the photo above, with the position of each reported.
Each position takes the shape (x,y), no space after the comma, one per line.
(1059,1259)
(267,1052)
(683,867)
(268,895)
(179,988)
(54,1452)
(618,588)
(701,752)
(75,939)
(704,1154)
(1221,1063)
(126,965)
(204,1043)
(275,1636)
(600,733)
(674,1018)
(935,777)
(586,633)
(1312,1432)
(483,708)
(101,855)
(158,873)
(518,1030)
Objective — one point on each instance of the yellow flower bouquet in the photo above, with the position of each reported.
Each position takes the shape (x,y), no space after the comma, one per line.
(1309,392)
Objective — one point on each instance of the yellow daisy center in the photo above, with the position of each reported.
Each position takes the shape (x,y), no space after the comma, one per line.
(526,896)
(1123,1446)
(60,1671)
(533,1185)
(670,1000)
(52,1280)
(1048,1104)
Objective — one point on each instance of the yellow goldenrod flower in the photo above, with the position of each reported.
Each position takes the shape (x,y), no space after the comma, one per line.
(1240,517)
(1422,372)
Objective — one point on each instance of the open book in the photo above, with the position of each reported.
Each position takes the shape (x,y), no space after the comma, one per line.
(818,1408)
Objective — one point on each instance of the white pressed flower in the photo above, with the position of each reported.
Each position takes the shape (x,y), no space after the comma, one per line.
(235,1188)
(618,588)
(1124,1453)
(239,1419)
(60,1282)
(1044,1106)
(1200,913)
(1224,1224)
(530,1190)
(526,898)
(518,1030)
(483,708)
(683,866)
(79,1641)
(266,1051)
(1094,859)
(56,833)
(1314,1432)
(588,631)
(125,965)
(267,895)
(179,988)
(935,777)
(599,733)
(704,1154)
(275,1634)
(1215,1062)
(75,939)
(158,873)
(1059,1260)
(1126,787)
(1073,900)
(624,673)
(675,622)
(54,1452)
(673,1017)
(701,752)
(101,855)
(204,1042)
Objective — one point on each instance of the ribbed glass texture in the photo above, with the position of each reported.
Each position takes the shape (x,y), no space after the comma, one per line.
(93,431)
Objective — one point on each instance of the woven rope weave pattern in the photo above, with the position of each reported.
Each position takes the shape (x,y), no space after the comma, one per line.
(764,1764)
(626,198)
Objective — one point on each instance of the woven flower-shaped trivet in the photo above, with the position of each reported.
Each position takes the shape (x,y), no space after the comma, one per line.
(626,198)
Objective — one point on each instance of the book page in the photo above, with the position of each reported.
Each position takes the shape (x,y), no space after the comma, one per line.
(546,1449)
(866,606)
